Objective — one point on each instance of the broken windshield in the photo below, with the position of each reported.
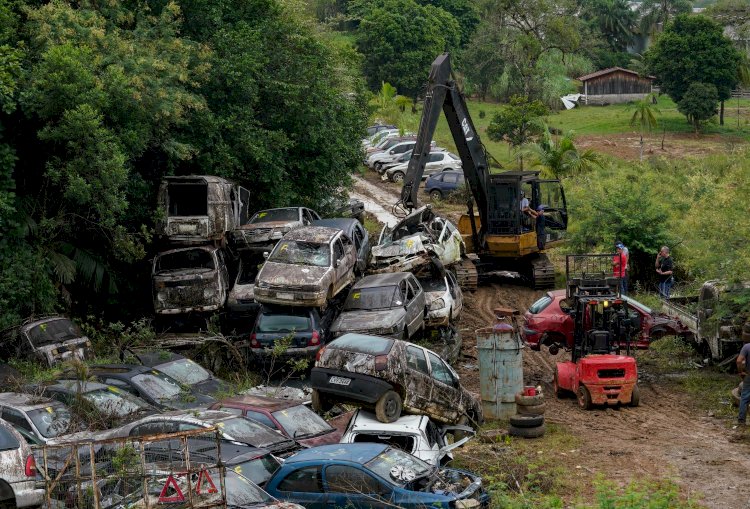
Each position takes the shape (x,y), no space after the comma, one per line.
(253,433)
(185,371)
(398,466)
(157,385)
(267,216)
(301,253)
(370,299)
(300,421)
(55,331)
(181,260)
(433,285)
(51,421)
(114,401)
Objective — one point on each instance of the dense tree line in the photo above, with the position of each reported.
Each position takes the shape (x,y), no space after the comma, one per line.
(100,100)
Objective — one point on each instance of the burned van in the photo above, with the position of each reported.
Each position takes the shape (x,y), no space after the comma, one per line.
(51,340)
(189,279)
(199,209)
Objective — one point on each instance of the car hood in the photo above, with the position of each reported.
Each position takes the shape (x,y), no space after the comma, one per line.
(242,292)
(276,225)
(191,399)
(368,320)
(283,274)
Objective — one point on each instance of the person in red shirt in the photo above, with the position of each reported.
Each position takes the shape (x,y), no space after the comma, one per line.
(620,266)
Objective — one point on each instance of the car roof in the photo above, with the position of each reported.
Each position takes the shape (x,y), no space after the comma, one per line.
(195,414)
(270,404)
(341,223)
(376,280)
(128,370)
(152,359)
(47,319)
(356,453)
(26,401)
(367,421)
(208,249)
(317,234)
(72,385)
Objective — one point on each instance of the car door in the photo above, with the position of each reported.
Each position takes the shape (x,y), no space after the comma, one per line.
(446,391)
(338,259)
(362,244)
(303,485)
(350,486)
(410,306)
(450,181)
(350,258)
(416,311)
(419,381)
(433,163)
(456,295)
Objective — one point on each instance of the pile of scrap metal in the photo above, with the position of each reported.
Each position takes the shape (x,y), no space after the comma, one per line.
(419,240)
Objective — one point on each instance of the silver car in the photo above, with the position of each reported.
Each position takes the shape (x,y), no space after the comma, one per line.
(18,470)
(266,227)
(386,305)
(444,299)
(437,162)
(306,268)
(376,160)
(44,418)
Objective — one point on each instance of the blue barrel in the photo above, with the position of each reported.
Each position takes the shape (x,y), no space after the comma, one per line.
(500,352)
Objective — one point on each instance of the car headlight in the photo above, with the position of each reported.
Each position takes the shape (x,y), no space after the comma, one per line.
(161,296)
(437,304)
(209,293)
(263,285)
(276,235)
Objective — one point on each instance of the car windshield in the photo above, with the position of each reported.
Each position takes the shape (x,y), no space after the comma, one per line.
(300,421)
(398,466)
(55,331)
(183,260)
(296,252)
(370,299)
(114,401)
(267,216)
(241,492)
(453,156)
(258,470)
(372,345)
(284,323)
(185,371)
(52,420)
(433,285)
(157,385)
(250,432)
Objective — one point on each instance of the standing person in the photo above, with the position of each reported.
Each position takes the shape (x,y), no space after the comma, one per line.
(665,268)
(743,365)
(526,211)
(541,233)
(620,267)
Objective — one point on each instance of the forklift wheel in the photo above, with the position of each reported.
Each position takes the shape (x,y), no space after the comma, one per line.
(584,397)
(635,397)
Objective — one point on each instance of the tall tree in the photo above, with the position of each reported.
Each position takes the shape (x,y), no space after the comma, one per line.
(613,19)
(694,49)
(656,14)
(465,12)
(399,40)
(480,61)
(644,117)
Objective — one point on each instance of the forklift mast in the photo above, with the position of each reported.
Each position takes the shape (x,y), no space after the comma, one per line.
(443,94)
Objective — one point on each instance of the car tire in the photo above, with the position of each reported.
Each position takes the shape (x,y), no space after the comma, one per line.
(529,400)
(319,402)
(584,398)
(635,397)
(435,195)
(531,410)
(526,421)
(537,432)
(397,176)
(388,407)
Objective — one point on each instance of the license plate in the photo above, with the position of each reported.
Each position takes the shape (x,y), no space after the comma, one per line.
(339,380)
(285,296)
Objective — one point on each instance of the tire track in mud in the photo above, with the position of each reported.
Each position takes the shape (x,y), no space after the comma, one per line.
(664,437)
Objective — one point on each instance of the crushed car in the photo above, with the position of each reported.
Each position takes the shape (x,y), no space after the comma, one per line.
(444,299)
(189,279)
(261,233)
(200,208)
(44,418)
(415,242)
(390,375)
(50,339)
(415,434)
(383,304)
(309,266)
(372,475)
(184,370)
(241,301)
(356,233)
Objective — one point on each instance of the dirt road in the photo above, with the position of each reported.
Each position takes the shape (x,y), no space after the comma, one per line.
(666,437)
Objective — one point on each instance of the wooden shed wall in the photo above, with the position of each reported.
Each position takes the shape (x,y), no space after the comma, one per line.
(617,83)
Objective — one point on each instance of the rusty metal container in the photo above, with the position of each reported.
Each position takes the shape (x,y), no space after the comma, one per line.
(500,351)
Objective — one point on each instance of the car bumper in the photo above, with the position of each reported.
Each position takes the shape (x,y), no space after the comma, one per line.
(189,309)
(307,352)
(437,318)
(27,494)
(296,298)
(362,388)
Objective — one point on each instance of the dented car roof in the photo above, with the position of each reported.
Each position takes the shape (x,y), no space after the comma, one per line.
(318,234)
(377,280)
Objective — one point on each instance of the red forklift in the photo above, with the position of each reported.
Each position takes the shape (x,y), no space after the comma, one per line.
(598,374)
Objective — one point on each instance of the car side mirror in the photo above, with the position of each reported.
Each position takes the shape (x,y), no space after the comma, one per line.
(335,264)
(265,255)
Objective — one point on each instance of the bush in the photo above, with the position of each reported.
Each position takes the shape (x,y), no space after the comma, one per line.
(699,104)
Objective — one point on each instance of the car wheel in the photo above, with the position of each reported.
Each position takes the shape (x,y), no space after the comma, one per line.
(378,166)
(319,402)
(584,398)
(436,195)
(388,408)
(398,176)
(635,398)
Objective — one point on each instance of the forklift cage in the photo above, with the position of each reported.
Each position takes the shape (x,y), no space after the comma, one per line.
(591,275)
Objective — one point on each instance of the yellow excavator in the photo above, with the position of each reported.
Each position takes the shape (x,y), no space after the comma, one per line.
(499,235)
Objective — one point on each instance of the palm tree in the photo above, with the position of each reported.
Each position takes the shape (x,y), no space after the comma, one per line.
(655,14)
(560,156)
(388,105)
(644,116)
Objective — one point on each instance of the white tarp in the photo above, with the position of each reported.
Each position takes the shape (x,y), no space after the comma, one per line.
(570,101)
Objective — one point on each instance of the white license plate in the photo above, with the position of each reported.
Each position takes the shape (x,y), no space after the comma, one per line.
(339,380)
(285,296)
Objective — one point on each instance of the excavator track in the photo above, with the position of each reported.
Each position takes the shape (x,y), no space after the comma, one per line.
(542,272)
(466,274)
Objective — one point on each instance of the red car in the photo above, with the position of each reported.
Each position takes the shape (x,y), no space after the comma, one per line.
(290,417)
(545,323)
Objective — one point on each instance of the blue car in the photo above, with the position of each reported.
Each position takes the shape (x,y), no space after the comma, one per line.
(370,475)
(440,185)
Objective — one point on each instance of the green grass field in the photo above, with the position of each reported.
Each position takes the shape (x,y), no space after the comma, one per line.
(597,121)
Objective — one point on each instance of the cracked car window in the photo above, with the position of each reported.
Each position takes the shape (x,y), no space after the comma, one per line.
(301,253)
(383,297)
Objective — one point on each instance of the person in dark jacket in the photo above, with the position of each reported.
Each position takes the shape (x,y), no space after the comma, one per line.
(665,268)
(541,233)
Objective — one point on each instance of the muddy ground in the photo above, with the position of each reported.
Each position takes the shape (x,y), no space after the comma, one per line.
(667,437)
